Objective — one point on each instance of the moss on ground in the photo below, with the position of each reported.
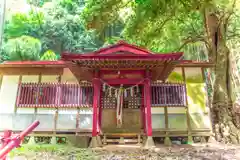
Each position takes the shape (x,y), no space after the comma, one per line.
(53,151)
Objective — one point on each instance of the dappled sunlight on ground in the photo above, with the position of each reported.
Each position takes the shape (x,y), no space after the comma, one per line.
(210,151)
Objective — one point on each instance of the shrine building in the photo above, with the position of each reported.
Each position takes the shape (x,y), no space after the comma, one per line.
(118,94)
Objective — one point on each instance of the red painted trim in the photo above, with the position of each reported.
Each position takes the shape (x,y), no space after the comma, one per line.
(122,71)
(124,81)
(173,56)
(147,88)
(63,64)
(96,85)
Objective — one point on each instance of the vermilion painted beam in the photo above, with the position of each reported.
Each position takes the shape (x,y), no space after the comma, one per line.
(124,81)
(122,71)
(173,56)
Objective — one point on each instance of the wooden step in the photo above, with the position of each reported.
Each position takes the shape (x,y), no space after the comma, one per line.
(121,140)
(121,134)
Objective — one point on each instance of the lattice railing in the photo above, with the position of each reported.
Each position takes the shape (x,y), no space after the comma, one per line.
(168,94)
(49,95)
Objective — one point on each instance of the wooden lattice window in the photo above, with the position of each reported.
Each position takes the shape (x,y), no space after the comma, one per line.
(130,100)
(54,95)
(168,94)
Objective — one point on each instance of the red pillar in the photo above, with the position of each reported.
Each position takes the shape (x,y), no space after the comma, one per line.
(100,111)
(148,114)
(96,97)
(143,110)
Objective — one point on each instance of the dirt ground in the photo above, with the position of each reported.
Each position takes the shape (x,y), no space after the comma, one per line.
(160,152)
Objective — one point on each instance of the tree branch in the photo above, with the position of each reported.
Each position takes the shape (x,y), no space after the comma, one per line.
(193,40)
(236,35)
(226,20)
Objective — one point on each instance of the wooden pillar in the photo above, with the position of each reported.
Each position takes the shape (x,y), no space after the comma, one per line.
(167,140)
(18,93)
(1,78)
(78,120)
(190,138)
(35,108)
(59,79)
(148,114)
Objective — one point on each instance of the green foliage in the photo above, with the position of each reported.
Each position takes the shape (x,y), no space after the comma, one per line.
(157,25)
(37,3)
(175,77)
(56,24)
(64,31)
(24,24)
(23,48)
(111,40)
(49,55)
(3,56)
(72,6)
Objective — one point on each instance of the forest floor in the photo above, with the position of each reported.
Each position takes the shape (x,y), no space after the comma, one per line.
(210,151)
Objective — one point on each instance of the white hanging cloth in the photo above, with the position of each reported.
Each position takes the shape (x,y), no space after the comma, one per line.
(120,106)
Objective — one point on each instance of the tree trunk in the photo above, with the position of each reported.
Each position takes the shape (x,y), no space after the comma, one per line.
(223,116)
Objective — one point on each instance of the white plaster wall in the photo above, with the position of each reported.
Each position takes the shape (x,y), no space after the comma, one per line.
(85,118)
(8,96)
(159,110)
(68,76)
(158,121)
(66,119)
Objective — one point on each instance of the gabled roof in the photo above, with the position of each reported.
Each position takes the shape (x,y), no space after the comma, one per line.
(121,46)
(119,51)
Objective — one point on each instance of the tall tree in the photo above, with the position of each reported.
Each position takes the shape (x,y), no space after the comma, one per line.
(56,24)
(164,25)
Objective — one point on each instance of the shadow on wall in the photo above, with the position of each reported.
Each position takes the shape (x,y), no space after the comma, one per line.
(197,105)
(196,96)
